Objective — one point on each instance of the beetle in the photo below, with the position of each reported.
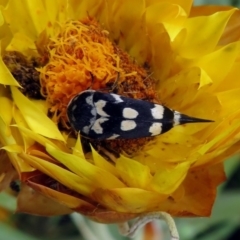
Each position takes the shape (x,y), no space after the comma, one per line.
(105,116)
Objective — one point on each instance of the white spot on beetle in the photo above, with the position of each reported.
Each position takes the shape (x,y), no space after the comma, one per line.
(86,129)
(116,97)
(129,113)
(99,108)
(89,100)
(114,136)
(128,125)
(73,118)
(155,129)
(94,112)
(176,118)
(96,127)
(157,111)
(74,107)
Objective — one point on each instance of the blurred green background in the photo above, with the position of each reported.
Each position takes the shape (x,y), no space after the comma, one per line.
(224,224)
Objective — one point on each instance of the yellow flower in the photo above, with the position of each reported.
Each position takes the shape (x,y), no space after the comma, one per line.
(55,49)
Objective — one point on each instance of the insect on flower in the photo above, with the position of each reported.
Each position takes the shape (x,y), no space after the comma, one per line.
(102,116)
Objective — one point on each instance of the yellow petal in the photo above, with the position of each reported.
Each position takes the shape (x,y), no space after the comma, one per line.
(129,169)
(7,139)
(99,177)
(19,164)
(30,19)
(172,16)
(235,71)
(65,199)
(125,20)
(223,59)
(192,83)
(13,148)
(6,113)
(205,10)
(55,11)
(40,139)
(32,202)
(6,77)
(130,200)
(36,119)
(67,178)
(229,100)
(77,150)
(101,162)
(79,10)
(185,5)
(207,39)
(34,151)
(23,44)
(5,33)
(20,121)
(166,180)
(216,159)
(198,200)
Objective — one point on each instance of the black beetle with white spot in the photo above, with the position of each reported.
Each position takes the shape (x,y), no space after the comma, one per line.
(98,115)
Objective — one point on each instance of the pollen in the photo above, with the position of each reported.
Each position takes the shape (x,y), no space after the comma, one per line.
(82,56)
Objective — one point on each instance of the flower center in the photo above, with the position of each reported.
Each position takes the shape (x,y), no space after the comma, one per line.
(81,56)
